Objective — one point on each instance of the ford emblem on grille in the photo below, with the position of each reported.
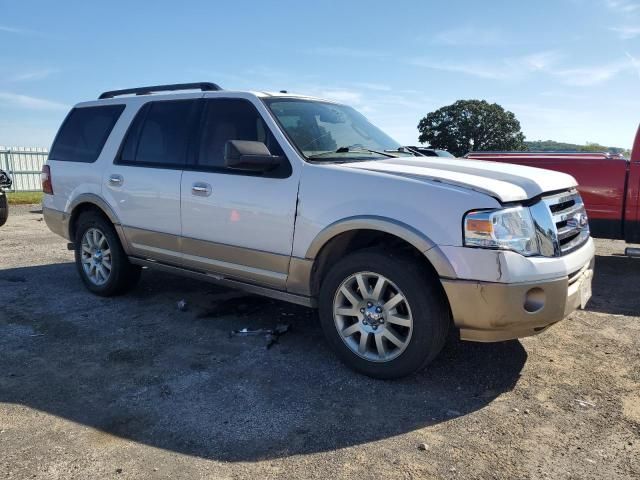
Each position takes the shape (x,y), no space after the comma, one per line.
(579,220)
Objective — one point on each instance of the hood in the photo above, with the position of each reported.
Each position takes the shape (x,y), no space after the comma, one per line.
(504,181)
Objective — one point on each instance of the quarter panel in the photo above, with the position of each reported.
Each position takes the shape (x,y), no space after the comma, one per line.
(70,180)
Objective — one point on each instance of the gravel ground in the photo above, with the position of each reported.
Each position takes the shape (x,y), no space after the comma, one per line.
(131,387)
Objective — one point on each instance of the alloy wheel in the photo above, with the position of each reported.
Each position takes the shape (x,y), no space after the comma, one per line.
(372,316)
(96,256)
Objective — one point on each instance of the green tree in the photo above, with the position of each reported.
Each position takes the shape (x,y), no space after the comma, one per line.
(593,147)
(471,125)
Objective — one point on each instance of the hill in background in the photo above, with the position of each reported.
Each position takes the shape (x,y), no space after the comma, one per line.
(550,145)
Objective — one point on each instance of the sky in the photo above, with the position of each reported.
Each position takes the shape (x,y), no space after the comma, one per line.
(568,69)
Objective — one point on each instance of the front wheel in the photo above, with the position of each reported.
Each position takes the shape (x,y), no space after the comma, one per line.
(385,316)
(101,262)
(4,208)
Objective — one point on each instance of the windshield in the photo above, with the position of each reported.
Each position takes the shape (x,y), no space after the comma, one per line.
(326,131)
(444,153)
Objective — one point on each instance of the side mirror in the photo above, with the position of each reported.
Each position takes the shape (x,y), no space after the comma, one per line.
(249,156)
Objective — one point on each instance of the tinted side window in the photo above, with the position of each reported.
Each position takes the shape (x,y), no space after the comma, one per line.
(231,119)
(159,135)
(84,132)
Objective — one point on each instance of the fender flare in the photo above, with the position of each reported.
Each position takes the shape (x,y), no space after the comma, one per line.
(387,225)
(97,201)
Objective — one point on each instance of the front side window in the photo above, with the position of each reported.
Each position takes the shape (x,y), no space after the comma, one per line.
(323,130)
(84,133)
(227,119)
(159,135)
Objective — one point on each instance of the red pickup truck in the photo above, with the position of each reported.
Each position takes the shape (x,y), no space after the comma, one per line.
(609,185)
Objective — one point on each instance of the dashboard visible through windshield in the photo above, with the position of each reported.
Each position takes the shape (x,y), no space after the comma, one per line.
(324,131)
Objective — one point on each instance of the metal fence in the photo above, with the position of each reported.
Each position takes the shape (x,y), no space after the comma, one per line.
(23,164)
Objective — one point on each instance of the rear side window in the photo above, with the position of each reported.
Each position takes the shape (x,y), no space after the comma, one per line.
(159,136)
(84,132)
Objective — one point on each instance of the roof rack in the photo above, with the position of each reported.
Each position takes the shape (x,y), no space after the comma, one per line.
(203,86)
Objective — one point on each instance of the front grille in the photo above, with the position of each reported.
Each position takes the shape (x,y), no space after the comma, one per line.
(569,217)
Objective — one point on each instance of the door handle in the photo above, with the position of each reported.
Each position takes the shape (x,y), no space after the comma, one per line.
(116,180)
(201,189)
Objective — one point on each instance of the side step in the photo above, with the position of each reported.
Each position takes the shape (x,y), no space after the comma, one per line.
(226,282)
(633,252)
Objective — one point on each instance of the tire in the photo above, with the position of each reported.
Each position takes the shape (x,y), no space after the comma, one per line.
(419,321)
(94,255)
(4,208)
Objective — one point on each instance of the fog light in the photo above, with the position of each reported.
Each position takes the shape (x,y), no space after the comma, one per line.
(534,300)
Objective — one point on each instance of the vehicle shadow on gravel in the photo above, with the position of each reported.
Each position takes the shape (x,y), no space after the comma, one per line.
(615,285)
(135,367)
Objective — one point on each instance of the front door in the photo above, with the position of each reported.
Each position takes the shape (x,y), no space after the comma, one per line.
(234,223)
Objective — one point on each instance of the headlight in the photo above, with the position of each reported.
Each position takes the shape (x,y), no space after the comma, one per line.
(508,229)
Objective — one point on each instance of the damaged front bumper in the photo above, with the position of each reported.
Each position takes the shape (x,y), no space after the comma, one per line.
(493,312)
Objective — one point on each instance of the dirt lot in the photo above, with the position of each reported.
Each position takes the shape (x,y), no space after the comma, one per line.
(131,387)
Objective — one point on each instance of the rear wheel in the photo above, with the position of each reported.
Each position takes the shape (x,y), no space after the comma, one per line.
(100,259)
(4,208)
(384,316)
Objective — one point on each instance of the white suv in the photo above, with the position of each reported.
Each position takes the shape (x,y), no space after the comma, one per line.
(304,200)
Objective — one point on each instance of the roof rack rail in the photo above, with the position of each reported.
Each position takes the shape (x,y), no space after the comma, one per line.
(203,86)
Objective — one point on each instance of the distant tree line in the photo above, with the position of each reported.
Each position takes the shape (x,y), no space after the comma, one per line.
(551,145)
(477,125)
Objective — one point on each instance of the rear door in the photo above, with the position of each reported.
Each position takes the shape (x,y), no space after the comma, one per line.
(235,223)
(143,184)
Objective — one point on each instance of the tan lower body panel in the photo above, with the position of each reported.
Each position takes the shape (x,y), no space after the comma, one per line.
(299,280)
(491,312)
(143,243)
(57,221)
(245,264)
(255,266)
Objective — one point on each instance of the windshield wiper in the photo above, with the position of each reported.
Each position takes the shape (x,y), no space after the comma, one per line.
(406,150)
(352,148)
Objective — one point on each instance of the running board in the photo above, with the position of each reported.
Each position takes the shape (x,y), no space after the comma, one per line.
(227,282)
(632,252)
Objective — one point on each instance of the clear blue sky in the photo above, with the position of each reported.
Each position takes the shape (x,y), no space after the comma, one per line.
(568,69)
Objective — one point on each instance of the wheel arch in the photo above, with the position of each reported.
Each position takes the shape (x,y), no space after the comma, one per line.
(355,233)
(91,202)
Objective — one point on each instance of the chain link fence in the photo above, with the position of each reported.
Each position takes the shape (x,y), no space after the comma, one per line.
(23,164)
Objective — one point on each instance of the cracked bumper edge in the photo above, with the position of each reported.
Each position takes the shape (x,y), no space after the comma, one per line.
(493,312)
